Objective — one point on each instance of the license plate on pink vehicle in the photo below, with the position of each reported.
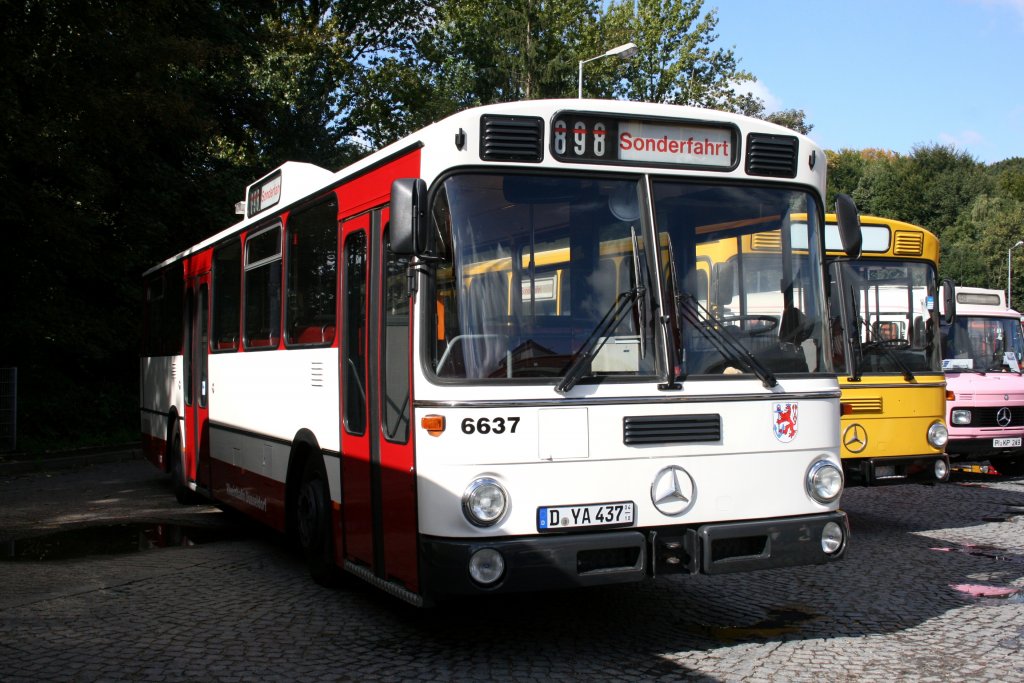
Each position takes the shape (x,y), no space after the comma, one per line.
(1006,443)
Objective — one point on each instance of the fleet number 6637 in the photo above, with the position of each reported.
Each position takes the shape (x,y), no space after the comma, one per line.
(490,425)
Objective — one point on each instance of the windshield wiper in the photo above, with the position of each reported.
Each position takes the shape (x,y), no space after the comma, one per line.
(581,362)
(641,310)
(697,315)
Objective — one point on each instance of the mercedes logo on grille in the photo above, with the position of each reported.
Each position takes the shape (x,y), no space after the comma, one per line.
(855,438)
(1003,417)
(673,491)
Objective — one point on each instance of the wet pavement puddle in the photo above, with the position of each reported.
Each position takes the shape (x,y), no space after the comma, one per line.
(777,623)
(112,539)
(990,552)
(983,591)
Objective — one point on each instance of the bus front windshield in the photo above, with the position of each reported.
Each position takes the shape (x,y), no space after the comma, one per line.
(896,315)
(553,277)
(742,279)
(535,274)
(982,344)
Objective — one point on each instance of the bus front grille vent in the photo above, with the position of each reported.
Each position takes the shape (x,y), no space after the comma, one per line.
(864,404)
(767,241)
(908,243)
(511,138)
(772,155)
(665,429)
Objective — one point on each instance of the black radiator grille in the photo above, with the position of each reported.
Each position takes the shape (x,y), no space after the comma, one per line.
(989,417)
(511,138)
(662,429)
(772,155)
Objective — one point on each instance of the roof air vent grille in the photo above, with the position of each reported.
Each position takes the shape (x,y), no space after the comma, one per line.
(511,138)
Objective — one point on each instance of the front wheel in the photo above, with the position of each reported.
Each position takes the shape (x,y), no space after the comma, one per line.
(313,523)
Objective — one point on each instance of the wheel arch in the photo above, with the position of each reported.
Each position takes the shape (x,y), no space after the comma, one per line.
(304,447)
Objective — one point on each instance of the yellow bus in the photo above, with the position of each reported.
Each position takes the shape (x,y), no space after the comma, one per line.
(889,359)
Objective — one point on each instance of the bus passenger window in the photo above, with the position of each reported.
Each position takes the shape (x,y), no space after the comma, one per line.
(227,273)
(353,374)
(312,275)
(263,289)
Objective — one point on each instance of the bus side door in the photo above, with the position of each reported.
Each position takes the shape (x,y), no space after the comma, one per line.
(197,381)
(378,475)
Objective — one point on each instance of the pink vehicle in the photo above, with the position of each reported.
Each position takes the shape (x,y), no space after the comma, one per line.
(982,352)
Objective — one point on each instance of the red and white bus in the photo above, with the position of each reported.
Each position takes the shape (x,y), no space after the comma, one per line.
(485,358)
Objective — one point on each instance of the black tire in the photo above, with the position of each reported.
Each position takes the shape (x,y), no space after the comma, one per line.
(313,526)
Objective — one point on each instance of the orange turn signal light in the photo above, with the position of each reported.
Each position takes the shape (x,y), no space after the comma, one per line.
(434,424)
(846,408)
(950,396)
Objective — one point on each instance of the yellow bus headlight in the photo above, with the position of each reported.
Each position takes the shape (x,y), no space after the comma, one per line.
(938,435)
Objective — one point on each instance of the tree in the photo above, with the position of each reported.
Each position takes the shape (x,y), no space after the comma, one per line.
(974,250)
(794,119)
(929,187)
(676,62)
(129,130)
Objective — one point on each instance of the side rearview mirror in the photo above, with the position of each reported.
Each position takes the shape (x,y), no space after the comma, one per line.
(408,216)
(948,301)
(849,225)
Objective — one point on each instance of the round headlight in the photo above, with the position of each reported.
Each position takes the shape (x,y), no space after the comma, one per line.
(486,566)
(831,538)
(941,469)
(938,435)
(484,502)
(960,417)
(824,481)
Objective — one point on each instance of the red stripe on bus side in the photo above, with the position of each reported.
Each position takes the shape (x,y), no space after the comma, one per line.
(257,496)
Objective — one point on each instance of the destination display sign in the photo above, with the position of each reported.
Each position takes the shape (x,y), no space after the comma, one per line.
(590,138)
(264,194)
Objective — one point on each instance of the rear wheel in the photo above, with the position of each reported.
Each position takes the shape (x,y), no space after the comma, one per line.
(313,523)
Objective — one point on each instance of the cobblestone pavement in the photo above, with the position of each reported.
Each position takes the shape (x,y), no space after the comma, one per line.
(243,608)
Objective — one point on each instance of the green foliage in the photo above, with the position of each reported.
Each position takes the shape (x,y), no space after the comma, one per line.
(977,211)
(794,119)
(677,62)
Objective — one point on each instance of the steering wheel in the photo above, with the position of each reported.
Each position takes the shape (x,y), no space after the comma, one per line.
(764,323)
(893,344)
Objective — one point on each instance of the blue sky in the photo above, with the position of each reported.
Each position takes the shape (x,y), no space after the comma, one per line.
(891,74)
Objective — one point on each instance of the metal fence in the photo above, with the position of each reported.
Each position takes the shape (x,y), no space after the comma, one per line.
(8,409)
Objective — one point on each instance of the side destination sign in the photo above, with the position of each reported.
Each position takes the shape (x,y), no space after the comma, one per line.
(264,194)
(589,138)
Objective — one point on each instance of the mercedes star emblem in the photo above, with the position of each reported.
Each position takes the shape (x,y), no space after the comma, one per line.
(855,438)
(1003,417)
(673,491)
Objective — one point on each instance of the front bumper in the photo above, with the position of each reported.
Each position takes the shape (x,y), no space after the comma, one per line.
(559,561)
(979,448)
(893,470)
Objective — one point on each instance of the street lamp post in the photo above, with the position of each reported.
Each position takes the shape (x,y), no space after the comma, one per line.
(1009,272)
(622,52)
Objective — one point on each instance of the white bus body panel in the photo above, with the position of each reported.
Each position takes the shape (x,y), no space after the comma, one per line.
(260,400)
(162,390)
(747,474)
